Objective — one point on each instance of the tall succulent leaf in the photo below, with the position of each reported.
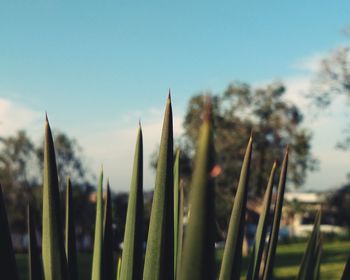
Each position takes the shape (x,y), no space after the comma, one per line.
(346,272)
(180,233)
(317,266)
(309,268)
(98,241)
(176,207)
(131,267)
(254,267)
(276,220)
(232,258)
(71,248)
(54,258)
(108,258)
(198,255)
(8,265)
(159,259)
(119,268)
(34,261)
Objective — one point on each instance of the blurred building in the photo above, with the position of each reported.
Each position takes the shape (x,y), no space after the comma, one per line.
(300,210)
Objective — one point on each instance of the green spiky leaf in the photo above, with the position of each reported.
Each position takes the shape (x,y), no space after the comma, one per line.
(159,259)
(254,267)
(71,248)
(34,261)
(317,264)
(271,251)
(119,267)
(198,255)
(108,258)
(53,253)
(180,233)
(131,267)
(232,258)
(7,256)
(98,240)
(176,207)
(309,268)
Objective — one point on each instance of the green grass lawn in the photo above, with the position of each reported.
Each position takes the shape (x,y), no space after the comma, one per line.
(333,260)
(288,259)
(289,256)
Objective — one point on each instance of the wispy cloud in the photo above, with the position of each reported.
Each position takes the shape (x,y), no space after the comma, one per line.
(14,117)
(310,63)
(297,88)
(114,148)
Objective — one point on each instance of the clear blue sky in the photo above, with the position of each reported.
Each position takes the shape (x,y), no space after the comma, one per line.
(99,65)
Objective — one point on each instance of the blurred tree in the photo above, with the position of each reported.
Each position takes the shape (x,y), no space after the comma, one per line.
(18,175)
(340,201)
(84,209)
(332,81)
(238,111)
(275,123)
(333,77)
(120,204)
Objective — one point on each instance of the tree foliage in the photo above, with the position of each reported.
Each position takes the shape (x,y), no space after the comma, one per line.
(333,77)
(18,176)
(332,81)
(340,201)
(17,156)
(241,110)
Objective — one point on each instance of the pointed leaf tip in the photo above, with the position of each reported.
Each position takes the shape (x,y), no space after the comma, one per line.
(232,256)
(132,255)
(159,251)
(207,109)
(98,238)
(169,95)
(54,259)
(286,154)
(271,251)
(46,118)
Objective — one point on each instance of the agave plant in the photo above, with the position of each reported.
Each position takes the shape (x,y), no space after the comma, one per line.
(53,253)
(132,256)
(71,248)
(172,252)
(159,258)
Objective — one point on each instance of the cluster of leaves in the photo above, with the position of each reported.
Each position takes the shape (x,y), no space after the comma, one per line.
(170,254)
